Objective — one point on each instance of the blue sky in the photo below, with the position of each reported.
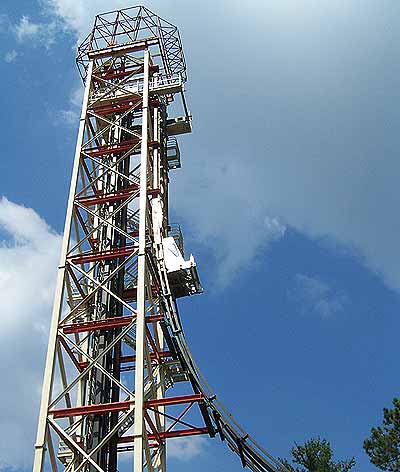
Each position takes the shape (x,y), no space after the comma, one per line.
(288,197)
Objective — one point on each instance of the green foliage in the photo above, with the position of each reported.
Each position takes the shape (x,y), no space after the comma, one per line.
(316,456)
(383,447)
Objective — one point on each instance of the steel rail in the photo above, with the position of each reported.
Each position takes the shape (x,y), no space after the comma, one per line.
(251,454)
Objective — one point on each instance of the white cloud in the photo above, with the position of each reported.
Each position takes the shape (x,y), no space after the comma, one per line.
(284,130)
(185,449)
(26,29)
(29,252)
(292,136)
(4,23)
(76,96)
(317,297)
(36,33)
(70,116)
(11,56)
(78,15)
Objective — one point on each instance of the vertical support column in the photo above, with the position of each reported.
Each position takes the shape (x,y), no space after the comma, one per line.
(162,460)
(40,445)
(157,217)
(141,280)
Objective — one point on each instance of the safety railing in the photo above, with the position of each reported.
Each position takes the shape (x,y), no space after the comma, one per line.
(160,84)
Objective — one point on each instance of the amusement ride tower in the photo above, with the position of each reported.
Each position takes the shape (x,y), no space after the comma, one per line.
(119,376)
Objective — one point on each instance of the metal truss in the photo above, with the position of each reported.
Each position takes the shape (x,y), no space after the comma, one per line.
(116,344)
(123,29)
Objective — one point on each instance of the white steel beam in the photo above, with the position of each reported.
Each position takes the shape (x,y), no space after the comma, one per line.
(141,282)
(58,297)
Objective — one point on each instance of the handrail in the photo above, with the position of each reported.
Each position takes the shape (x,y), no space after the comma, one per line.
(135,86)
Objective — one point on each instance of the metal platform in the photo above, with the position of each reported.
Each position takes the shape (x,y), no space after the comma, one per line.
(179,125)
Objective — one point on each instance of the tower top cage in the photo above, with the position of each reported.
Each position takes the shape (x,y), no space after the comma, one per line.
(121,31)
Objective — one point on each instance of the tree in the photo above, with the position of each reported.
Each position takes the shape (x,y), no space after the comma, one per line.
(383,447)
(316,456)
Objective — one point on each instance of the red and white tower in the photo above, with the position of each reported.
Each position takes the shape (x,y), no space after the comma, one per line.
(119,377)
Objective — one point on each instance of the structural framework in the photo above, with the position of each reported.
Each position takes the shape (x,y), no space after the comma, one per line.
(119,377)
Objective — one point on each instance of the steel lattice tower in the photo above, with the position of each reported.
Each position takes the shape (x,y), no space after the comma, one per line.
(116,342)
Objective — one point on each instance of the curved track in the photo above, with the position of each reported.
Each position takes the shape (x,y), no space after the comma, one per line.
(251,454)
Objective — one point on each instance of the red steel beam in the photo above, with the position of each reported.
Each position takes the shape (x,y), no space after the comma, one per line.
(126,359)
(114,73)
(130,293)
(123,99)
(91,409)
(179,433)
(111,109)
(104,150)
(196,397)
(121,48)
(112,197)
(153,356)
(108,197)
(108,323)
(101,408)
(103,255)
(120,106)
(117,148)
(168,434)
